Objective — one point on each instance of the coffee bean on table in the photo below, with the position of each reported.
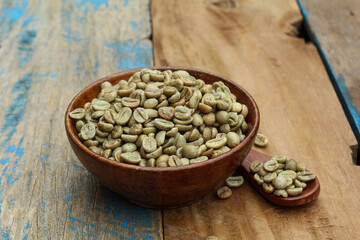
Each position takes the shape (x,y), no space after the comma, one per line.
(234,181)
(261,140)
(224,192)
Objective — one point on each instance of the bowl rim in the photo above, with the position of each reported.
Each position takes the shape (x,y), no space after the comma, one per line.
(102,159)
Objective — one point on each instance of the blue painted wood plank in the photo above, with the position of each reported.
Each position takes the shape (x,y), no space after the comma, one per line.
(49,51)
(338,82)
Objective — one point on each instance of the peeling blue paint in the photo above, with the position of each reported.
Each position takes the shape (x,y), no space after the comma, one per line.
(53,75)
(25,234)
(4,160)
(134,25)
(10,15)
(130,54)
(95,4)
(26,47)
(27,21)
(29,180)
(126,2)
(16,110)
(71,35)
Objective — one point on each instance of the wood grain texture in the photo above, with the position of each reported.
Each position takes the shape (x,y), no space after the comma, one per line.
(251,43)
(335,27)
(50,50)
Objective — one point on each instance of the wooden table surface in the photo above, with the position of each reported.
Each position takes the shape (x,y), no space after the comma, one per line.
(50,50)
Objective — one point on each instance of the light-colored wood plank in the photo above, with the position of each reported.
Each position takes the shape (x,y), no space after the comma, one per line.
(250,42)
(336,26)
(50,50)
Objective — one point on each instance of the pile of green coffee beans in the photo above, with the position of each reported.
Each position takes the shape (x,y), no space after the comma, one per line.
(281,176)
(161,119)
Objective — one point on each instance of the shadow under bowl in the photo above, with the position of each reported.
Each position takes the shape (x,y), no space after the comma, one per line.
(169,187)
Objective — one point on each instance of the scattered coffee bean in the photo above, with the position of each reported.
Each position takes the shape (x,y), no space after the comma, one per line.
(261,140)
(224,192)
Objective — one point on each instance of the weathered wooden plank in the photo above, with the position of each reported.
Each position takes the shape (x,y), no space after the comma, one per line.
(335,31)
(251,42)
(49,51)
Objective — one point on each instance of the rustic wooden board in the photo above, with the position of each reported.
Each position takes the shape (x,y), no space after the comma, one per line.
(253,43)
(49,51)
(335,31)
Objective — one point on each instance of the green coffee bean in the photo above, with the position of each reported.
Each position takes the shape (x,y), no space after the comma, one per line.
(255,166)
(96,150)
(170,150)
(106,153)
(174,161)
(205,108)
(261,140)
(268,187)
(232,139)
(106,127)
(222,117)
(290,164)
(294,191)
(189,151)
(79,124)
(299,184)
(209,119)
(151,103)
(151,162)
(182,113)
(130,102)
(280,159)
(149,144)
(305,176)
(169,142)
(140,115)
(269,177)
(88,131)
(216,143)
(181,141)
(281,193)
(129,147)
(163,124)
(100,105)
(271,165)
(129,138)
(288,174)
(172,132)
(279,182)
(123,116)
(258,179)
(162,161)
(244,111)
(131,157)
(77,114)
(198,159)
(117,131)
(300,167)
(112,144)
(90,143)
(224,192)
(155,153)
(234,181)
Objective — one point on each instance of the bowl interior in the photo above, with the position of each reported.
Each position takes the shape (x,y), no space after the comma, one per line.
(91,91)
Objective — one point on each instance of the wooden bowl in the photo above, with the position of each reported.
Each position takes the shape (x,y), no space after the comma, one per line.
(163,187)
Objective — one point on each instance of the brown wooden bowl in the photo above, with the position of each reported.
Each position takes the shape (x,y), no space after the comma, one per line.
(163,187)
